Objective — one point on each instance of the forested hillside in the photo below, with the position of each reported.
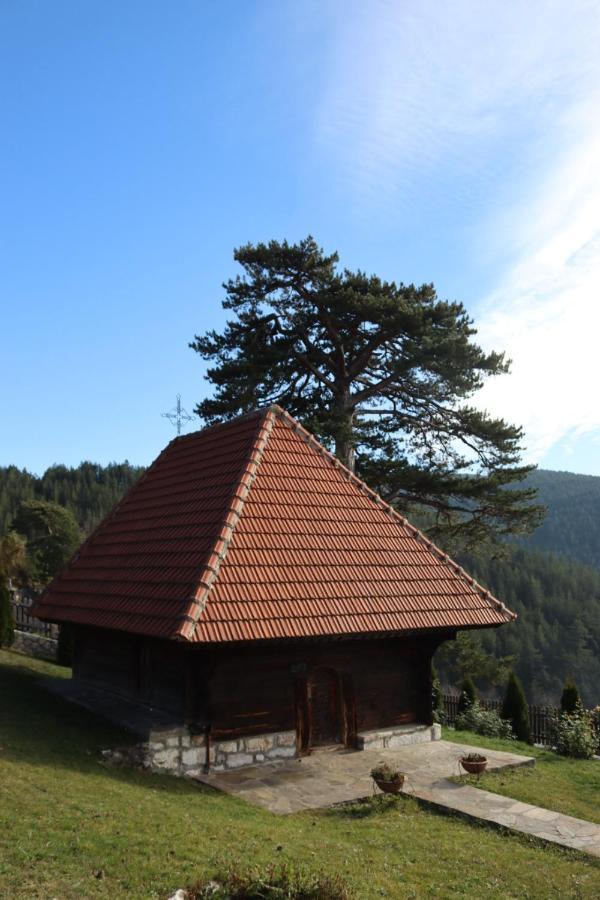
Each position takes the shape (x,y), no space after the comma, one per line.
(572,524)
(558,629)
(90,491)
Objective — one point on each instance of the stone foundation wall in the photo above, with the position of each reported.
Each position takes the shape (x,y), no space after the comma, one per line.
(400,736)
(180,753)
(36,645)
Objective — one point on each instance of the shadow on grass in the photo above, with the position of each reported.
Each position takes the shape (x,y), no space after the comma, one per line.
(377,805)
(38,727)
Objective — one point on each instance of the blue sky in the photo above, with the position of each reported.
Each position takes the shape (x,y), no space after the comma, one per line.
(143,141)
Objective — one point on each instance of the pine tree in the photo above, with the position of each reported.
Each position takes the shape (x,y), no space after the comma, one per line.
(468,695)
(383,373)
(570,698)
(515,709)
(7,626)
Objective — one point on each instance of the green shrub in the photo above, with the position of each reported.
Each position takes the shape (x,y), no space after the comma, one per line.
(385,772)
(273,882)
(573,734)
(7,626)
(437,698)
(468,695)
(595,717)
(515,709)
(570,698)
(483,721)
(474,757)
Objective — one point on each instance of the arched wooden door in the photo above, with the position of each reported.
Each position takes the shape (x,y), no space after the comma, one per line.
(324,708)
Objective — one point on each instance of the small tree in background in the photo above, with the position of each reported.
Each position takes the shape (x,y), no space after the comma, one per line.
(515,709)
(468,695)
(466,656)
(570,698)
(52,536)
(7,626)
(437,698)
(13,557)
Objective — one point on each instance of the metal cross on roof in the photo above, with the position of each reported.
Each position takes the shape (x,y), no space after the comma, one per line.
(178,415)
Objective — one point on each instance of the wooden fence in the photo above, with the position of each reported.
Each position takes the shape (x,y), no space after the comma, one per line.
(29,624)
(539,716)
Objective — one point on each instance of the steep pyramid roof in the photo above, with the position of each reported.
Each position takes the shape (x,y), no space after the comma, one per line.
(251,530)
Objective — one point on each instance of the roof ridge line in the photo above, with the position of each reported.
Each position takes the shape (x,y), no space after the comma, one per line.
(280,413)
(188,620)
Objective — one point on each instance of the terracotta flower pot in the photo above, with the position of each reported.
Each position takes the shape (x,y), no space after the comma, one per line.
(473,767)
(390,787)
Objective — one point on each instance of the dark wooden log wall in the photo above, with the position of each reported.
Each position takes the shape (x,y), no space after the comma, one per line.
(148,671)
(259,688)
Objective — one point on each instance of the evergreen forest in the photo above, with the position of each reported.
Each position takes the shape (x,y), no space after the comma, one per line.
(89,490)
(557,633)
(572,523)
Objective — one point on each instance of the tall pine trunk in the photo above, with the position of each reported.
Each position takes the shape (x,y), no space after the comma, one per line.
(344,438)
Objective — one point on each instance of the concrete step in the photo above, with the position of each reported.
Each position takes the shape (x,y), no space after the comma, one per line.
(398,736)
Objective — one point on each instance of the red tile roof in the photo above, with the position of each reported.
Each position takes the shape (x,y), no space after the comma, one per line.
(252,530)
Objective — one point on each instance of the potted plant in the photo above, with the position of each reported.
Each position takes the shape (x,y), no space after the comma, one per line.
(387,778)
(474,763)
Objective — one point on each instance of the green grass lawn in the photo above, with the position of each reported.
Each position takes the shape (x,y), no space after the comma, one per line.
(71,828)
(570,786)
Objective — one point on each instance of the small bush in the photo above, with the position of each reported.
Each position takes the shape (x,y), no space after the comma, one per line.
(595,716)
(515,709)
(468,695)
(570,698)
(273,882)
(437,698)
(573,734)
(7,626)
(385,772)
(483,721)
(474,757)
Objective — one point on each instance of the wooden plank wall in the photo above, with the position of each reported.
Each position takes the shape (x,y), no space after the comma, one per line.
(148,671)
(257,688)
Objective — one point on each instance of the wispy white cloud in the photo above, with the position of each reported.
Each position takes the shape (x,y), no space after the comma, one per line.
(546,310)
(500,101)
(415,87)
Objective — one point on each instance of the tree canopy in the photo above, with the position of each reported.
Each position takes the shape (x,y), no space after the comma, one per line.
(383,373)
(13,555)
(52,536)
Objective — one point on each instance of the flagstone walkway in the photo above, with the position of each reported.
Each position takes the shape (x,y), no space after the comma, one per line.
(328,778)
(534,820)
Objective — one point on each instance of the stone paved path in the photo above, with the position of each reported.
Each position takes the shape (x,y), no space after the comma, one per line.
(534,820)
(328,778)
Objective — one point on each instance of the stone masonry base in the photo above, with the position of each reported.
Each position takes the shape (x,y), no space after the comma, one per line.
(398,736)
(35,645)
(178,752)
